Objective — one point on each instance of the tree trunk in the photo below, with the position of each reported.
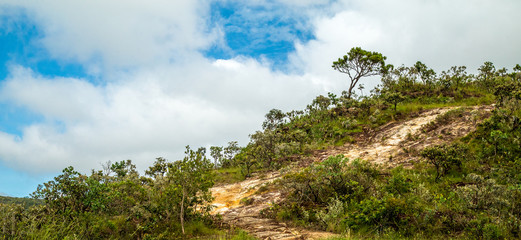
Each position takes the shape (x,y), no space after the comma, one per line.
(181,215)
(352,85)
(350,91)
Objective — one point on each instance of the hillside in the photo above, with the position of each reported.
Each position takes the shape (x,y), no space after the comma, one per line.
(424,156)
(397,143)
(26,202)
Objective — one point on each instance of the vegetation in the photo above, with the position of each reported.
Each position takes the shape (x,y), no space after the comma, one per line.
(26,202)
(470,188)
(467,189)
(336,120)
(118,203)
(360,63)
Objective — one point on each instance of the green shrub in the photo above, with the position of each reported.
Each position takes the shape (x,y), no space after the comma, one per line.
(445,157)
(398,183)
(389,212)
(332,215)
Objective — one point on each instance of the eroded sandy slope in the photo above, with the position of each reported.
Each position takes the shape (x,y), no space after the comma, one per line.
(396,143)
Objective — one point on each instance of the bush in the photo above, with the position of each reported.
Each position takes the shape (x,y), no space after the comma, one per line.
(398,183)
(335,177)
(332,215)
(445,157)
(389,212)
(480,194)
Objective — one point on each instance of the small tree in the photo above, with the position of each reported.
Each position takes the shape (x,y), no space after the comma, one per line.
(487,72)
(66,193)
(319,104)
(274,119)
(159,169)
(123,168)
(506,89)
(459,76)
(424,73)
(393,98)
(360,63)
(445,157)
(192,178)
(263,145)
(517,68)
(517,72)
(229,153)
(217,155)
(247,161)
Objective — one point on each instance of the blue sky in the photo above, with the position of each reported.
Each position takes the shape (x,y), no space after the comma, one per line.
(259,31)
(245,36)
(82,83)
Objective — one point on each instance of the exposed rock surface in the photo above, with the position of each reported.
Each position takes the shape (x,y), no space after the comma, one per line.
(240,205)
(398,143)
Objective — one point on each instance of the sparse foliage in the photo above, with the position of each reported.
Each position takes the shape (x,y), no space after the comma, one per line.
(445,157)
(360,63)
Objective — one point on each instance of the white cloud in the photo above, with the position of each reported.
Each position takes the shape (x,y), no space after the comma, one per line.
(169,95)
(122,33)
(155,112)
(439,33)
(63,99)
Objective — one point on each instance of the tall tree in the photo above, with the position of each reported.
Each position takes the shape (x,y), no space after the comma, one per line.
(159,168)
(274,119)
(193,178)
(229,153)
(217,154)
(425,73)
(360,63)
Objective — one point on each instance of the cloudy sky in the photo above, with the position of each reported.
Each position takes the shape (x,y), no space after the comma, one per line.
(85,82)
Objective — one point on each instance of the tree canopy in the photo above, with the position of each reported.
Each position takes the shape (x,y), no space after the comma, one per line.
(360,63)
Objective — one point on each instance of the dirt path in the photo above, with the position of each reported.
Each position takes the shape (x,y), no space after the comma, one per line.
(240,204)
(246,214)
(399,143)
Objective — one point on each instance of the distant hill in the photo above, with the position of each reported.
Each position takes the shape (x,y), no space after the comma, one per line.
(27,202)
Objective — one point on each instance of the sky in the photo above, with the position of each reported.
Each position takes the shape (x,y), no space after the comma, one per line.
(86,82)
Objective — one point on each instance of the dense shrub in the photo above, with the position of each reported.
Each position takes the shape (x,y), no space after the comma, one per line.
(118,204)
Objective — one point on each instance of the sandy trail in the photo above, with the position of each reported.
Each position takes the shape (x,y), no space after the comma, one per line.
(399,143)
(248,216)
(229,196)
(389,142)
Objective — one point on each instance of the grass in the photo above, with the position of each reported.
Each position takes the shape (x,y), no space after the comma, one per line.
(237,234)
(228,175)
(392,236)
(198,228)
(424,104)
(242,235)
